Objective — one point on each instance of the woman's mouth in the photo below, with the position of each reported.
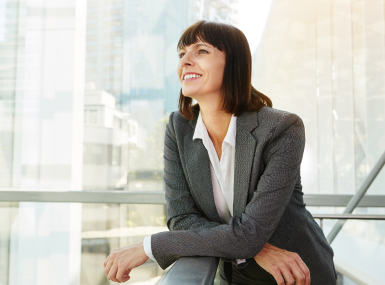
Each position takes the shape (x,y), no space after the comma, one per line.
(191,77)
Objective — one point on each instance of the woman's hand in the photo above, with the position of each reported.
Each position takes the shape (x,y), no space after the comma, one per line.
(122,260)
(280,262)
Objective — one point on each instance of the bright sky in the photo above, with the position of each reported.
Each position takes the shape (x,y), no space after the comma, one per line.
(252,19)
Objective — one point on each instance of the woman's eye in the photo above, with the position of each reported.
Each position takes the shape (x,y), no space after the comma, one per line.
(199,52)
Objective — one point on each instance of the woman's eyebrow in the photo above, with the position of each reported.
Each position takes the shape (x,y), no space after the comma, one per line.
(196,45)
(202,45)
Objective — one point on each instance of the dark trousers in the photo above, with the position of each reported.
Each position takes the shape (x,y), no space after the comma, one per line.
(253,274)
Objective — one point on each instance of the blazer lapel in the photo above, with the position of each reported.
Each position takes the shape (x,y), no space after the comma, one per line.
(199,173)
(244,156)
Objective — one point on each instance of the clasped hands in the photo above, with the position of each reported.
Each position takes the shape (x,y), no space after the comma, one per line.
(278,262)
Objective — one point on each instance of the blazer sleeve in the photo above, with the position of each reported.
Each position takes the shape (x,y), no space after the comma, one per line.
(180,206)
(243,237)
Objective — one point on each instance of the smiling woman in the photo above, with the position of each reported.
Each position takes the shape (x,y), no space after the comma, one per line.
(232,175)
(225,54)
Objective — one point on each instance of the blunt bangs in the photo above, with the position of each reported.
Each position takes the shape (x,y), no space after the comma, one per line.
(202,31)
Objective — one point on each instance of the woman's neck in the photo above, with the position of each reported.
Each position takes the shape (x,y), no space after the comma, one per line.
(216,121)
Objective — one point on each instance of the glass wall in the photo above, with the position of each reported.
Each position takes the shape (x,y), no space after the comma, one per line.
(42,51)
(325,61)
(27,245)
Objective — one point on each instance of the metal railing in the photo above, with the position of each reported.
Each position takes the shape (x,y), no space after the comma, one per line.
(191,271)
(157,197)
(354,202)
(321,217)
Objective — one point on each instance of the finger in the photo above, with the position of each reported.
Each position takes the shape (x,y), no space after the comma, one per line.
(289,278)
(123,274)
(126,277)
(108,267)
(277,276)
(111,256)
(106,261)
(112,274)
(305,270)
(296,271)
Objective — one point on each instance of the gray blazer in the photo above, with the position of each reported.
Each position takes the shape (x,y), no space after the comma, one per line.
(268,197)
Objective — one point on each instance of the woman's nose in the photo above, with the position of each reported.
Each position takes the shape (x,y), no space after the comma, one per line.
(187,60)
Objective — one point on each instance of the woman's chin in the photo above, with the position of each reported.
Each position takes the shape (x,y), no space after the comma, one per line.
(189,94)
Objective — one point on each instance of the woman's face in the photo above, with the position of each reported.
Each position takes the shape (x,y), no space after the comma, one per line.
(203,64)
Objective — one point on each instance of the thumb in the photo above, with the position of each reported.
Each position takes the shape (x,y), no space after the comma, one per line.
(126,278)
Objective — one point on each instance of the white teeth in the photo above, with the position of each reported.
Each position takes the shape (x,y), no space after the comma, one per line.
(188,76)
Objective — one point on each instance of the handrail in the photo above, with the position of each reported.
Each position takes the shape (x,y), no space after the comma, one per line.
(357,197)
(105,197)
(157,197)
(347,217)
(192,271)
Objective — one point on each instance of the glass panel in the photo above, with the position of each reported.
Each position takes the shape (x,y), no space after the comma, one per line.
(360,243)
(32,237)
(325,61)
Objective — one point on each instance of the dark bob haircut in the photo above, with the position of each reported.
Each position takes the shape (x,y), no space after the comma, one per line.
(238,93)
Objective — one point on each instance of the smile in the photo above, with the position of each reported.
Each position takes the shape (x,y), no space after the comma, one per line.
(190,77)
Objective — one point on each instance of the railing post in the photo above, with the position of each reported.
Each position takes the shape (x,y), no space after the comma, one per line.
(357,197)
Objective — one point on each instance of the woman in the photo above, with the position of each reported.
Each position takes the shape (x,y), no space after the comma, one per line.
(232,175)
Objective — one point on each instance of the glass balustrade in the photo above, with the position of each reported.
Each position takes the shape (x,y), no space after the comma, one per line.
(36,240)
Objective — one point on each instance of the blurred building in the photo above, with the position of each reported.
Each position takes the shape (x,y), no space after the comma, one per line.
(108,136)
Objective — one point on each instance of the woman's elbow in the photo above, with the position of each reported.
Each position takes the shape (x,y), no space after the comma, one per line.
(176,224)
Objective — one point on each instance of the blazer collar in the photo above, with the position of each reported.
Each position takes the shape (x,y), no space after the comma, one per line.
(248,121)
(198,165)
